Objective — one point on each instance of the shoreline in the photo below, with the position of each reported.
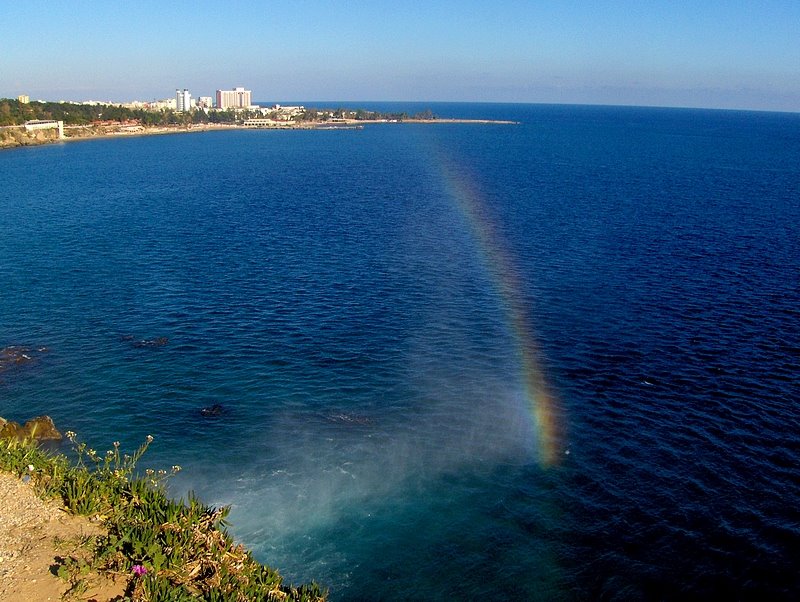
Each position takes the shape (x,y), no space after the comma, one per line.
(97,527)
(94,132)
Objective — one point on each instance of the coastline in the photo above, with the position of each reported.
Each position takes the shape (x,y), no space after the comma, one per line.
(94,527)
(20,138)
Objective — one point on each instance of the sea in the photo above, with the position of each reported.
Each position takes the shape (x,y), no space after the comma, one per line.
(555,359)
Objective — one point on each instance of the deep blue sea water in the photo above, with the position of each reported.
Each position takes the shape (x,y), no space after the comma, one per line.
(329,290)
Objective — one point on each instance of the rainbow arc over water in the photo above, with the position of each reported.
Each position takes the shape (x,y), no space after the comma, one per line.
(541,402)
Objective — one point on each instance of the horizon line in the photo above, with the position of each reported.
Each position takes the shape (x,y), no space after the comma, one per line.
(465,102)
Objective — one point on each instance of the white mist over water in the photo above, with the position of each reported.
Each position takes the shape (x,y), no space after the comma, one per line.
(325,491)
(356,469)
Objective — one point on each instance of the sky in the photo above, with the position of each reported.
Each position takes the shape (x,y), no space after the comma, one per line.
(698,53)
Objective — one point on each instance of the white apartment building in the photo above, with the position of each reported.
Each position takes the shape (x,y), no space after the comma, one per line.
(183,100)
(238,98)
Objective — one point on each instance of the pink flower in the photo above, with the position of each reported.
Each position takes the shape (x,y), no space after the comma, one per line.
(138,569)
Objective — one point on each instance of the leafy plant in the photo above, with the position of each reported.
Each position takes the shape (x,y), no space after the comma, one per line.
(168,550)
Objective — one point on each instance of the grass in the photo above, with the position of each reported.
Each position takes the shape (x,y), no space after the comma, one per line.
(167,550)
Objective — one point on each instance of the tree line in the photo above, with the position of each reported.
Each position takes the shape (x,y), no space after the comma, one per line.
(360,115)
(13,112)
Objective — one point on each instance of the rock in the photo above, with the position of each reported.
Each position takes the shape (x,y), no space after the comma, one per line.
(14,356)
(215,410)
(11,430)
(40,428)
(158,342)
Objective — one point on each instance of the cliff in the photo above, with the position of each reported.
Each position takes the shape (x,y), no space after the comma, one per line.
(14,136)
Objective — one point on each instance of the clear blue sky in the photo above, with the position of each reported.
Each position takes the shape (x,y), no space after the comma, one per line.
(698,53)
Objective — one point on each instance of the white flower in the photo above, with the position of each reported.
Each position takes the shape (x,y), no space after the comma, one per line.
(30,468)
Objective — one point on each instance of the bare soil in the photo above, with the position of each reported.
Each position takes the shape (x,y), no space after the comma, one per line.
(33,535)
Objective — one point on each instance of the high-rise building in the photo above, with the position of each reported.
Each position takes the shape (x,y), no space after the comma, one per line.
(238,98)
(184,100)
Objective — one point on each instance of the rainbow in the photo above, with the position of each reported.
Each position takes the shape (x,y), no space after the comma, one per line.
(541,402)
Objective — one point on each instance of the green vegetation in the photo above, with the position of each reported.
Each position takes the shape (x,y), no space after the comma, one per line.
(13,112)
(359,115)
(168,550)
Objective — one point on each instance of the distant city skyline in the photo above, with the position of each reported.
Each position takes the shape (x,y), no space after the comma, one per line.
(734,55)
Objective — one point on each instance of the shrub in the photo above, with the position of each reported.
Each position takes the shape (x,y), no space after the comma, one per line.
(167,549)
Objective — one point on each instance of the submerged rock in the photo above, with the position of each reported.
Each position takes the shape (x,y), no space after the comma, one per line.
(40,428)
(215,410)
(17,355)
(157,342)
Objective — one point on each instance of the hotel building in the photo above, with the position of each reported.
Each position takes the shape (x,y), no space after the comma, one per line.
(183,100)
(238,98)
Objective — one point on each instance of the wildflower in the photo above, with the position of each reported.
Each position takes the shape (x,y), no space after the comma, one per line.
(176,468)
(30,467)
(116,444)
(70,435)
(149,438)
(139,569)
